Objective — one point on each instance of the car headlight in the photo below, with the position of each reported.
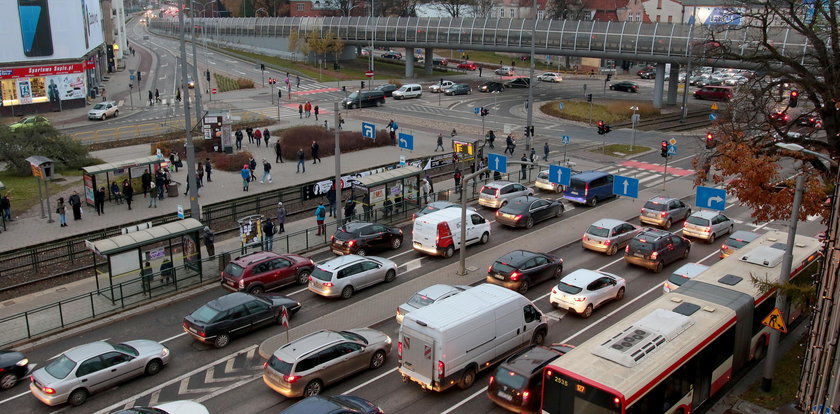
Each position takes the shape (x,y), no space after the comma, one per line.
(23,362)
(165,352)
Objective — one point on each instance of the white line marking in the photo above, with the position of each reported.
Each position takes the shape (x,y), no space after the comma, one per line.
(464,401)
(369,381)
(12,398)
(173,337)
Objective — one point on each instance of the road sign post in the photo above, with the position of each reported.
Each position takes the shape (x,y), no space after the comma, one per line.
(560,175)
(566,140)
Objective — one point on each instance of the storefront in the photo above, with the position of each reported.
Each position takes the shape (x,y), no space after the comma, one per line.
(32,89)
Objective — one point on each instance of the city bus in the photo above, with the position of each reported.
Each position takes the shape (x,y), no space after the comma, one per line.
(682,348)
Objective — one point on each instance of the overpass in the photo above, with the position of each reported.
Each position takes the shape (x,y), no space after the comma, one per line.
(674,43)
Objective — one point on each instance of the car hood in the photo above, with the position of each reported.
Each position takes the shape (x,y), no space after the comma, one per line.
(374,337)
(277,299)
(183,407)
(145,347)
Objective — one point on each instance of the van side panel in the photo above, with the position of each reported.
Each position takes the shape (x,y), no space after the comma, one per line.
(510,323)
(475,343)
(419,357)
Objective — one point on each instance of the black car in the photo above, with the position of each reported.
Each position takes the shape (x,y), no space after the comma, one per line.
(519,269)
(625,86)
(387,88)
(491,87)
(526,210)
(518,83)
(13,367)
(235,314)
(517,383)
(654,249)
(359,237)
(809,120)
(334,404)
(458,89)
(647,74)
(392,55)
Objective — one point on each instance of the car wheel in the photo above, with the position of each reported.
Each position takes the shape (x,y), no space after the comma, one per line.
(77,397)
(538,338)
(586,312)
(560,211)
(484,238)
(523,287)
(104,117)
(379,103)
(313,388)
(116,113)
(620,294)
(467,379)
(377,360)
(256,290)
(303,277)
(361,251)
(668,224)
(504,203)
(658,267)
(711,238)
(612,88)
(396,243)
(347,292)
(449,252)
(686,252)
(153,367)
(390,276)
(558,272)
(592,202)
(529,223)
(612,250)
(8,380)
(221,340)
(469,92)
(353,106)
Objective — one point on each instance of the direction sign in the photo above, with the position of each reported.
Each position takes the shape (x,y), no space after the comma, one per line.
(369,73)
(626,186)
(406,141)
(368,130)
(131,77)
(672,149)
(477,110)
(496,162)
(560,175)
(775,321)
(711,198)
(560,105)
(712,117)
(566,139)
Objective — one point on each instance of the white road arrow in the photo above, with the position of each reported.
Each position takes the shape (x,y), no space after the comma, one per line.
(497,163)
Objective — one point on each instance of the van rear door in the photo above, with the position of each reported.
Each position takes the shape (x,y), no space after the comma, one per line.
(418,356)
(424,233)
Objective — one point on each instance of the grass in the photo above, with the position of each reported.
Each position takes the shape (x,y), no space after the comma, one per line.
(611,111)
(226,84)
(23,191)
(621,150)
(785,381)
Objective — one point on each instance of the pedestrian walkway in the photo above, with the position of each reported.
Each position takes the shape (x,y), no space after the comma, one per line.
(648,174)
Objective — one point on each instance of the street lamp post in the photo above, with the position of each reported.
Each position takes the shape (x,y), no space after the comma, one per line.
(197,89)
(634,119)
(373,34)
(530,122)
(191,178)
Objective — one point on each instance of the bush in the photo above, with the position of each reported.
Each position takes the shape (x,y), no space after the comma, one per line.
(227,162)
(301,137)
(243,83)
(203,150)
(612,111)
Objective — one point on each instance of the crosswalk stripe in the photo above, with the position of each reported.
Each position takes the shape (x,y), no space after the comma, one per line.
(645,180)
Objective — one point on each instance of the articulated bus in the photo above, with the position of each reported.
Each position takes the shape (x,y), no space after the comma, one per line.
(682,348)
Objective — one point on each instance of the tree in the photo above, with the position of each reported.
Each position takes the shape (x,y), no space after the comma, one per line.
(483,8)
(44,140)
(566,10)
(294,43)
(342,6)
(454,8)
(401,8)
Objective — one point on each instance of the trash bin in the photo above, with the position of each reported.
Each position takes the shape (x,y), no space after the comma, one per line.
(173,189)
(224,260)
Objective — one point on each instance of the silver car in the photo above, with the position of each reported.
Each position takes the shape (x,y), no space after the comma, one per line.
(663,211)
(608,235)
(707,225)
(346,274)
(498,193)
(426,297)
(543,183)
(583,290)
(94,367)
(103,110)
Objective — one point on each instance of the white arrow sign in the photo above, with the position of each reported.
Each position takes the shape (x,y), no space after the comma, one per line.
(714,199)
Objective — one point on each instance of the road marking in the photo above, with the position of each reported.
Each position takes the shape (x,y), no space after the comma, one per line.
(369,381)
(413,264)
(464,401)
(228,388)
(12,398)
(173,337)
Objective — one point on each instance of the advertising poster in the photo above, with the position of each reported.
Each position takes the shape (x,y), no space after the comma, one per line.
(191,254)
(24,90)
(89,189)
(43,29)
(70,86)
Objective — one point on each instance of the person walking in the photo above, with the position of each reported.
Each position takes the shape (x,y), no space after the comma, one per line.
(266,172)
(300,111)
(208,241)
(146,275)
(545,151)
(61,210)
(392,131)
(146,182)
(320,214)
(99,201)
(250,132)
(153,193)
(426,188)
(439,142)
(258,136)
(510,144)
(174,160)
(331,199)
(128,193)
(491,137)
(479,71)
(252,166)
(297,81)
(523,171)
(307,108)
(268,235)
(266,136)
(349,210)
(281,218)
(316,149)
(178,95)
(167,180)
(167,272)
(457,178)
(208,169)
(246,177)
(532,156)
(317,111)
(157,95)
(300,164)
(278,152)
(199,174)
(151,98)
(238,136)
(76,204)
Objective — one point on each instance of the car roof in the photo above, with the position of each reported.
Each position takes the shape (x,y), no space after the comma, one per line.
(344,261)
(436,291)
(706,214)
(653,233)
(583,277)
(254,258)
(356,225)
(517,258)
(691,269)
(589,175)
(608,223)
(83,352)
(498,184)
(230,300)
(530,360)
(292,351)
(744,235)
(661,199)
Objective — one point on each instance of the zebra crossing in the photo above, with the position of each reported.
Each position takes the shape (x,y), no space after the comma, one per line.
(648,174)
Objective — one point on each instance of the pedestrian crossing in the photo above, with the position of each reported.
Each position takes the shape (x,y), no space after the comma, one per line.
(433,110)
(648,174)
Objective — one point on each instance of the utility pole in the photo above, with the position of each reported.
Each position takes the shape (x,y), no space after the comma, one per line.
(194,209)
(530,122)
(337,184)
(197,89)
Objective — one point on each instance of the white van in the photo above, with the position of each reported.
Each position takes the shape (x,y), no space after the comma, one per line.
(411,90)
(448,342)
(439,233)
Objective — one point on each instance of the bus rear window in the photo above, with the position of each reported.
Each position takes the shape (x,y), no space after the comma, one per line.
(563,394)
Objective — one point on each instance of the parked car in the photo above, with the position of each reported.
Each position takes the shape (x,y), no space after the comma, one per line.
(662,211)
(440,86)
(426,297)
(653,249)
(261,271)
(360,238)
(543,183)
(714,93)
(14,366)
(520,269)
(174,407)
(467,65)
(498,193)
(361,99)
(626,86)
(303,367)
(435,206)
(707,225)
(491,87)
(505,71)
(97,366)
(438,61)
(458,89)
(29,122)
(103,110)
(589,187)
(333,404)
(518,83)
(608,235)
(524,211)
(387,88)
(647,73)
(235,314)
(516,384)
(736,241)
(685,272)
(392,55)
(809,120)
(342,276)
(550,77)
(644,70)
(584,290)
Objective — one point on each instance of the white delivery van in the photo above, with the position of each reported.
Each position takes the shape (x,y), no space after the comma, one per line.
(411,90)
(448,342)
(439,233)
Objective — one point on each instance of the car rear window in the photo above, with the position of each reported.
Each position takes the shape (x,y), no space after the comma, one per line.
(511,379)
(598,231)
(279,365)
(488,190)
(352,336)
(577,183)
(322,274)
(542,175)
(698,221)
(127,349)
(570,289)
(60,367)
(233,269)
(735,243)
(638,244)
(204,314)
(501,267)
(419,301)
(650,205)
(677,279)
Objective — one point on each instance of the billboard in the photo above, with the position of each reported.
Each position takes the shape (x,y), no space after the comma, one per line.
(719,15)
(36,30)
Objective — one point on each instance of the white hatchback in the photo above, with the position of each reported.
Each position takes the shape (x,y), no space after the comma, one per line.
(584,290)
(103,110)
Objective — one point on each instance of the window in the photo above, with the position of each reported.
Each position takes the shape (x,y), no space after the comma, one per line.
(368,265)
(115,358)
(348,347)
(280,264)
(90,366)
(540,261)
(256,306)
(658,6)
(329,354)
(501,13)
(349,271)
(531,314)
(300,7)
(262,267)
(307,364)
(237,312)
(477,219)
(670,19)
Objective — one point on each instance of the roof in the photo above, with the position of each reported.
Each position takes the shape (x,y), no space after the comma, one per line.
(706,214)
(122,165)
(589,175)
(517,257)
(530,360)
(445,313)
(83,352)
(435,291)
(255,257)
(608,222)
(582,277)
(498,184)
(345,260)
(297,348)
(389,176)
(230,300)
(690,269)
(605,4)
(139,238)
(744,235)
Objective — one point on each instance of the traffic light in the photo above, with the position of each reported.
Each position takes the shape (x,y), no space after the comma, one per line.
(589,98)
(663,149)
(710,140)
(139,76)
(207,75)
(794,98)
(484,111)
(602,128)
(532,130)
(527,131)
(609,77)
(262,67)
(363,84)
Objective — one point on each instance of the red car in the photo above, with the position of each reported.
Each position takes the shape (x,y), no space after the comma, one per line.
(467,65)
(257,272)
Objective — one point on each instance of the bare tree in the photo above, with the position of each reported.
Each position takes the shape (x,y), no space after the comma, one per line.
(483,8)
(343,7)
(454,8)
(566,10)
(401,8)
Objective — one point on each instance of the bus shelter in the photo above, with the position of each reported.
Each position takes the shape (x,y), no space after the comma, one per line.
(172,251)
(389,192)
(130,170)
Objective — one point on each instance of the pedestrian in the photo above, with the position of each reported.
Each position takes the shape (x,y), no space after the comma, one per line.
(545,151)
(278,152)
(307,108)
(172,156)
(250,132)
(61,210)
(199,174)
(297,80)
(116,193)
(146,275)
(532,156)
(366,206)
(317,110)
(145,181)
(457,177)
(208,241)
(266,172)
(301,165)
(99,201)
(479,71)
(392,132)
(252,166)
(208,169)
(128,193)
(167,181)
(340,121)
(426,188)
(258,136)
(246,177)
(491,137)
(315,151)
(387,207)
(320,214)
(281,218)
(76,204)
(349,210)
(300,110)
(151,98)
(153,192)
(331,199)
(524,168)
(266,136)
(166,271)
(157,95)
(178,95)
(453,133)
(439,142)
(268,235)
(238,136)
(510,144)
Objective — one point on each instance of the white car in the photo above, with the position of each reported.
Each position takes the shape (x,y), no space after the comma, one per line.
(584,290)
(707,225)
(426,297)
(550,77)
(440,86)
(174,407)
(505,71)
(103,110)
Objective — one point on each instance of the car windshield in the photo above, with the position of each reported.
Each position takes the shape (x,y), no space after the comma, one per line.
(736,243)
(354,95)
(353,336)
(511,379)
(677,279)
(698,221)
(501,267)
(127,349)
(650,205)
(571,289)
(205,314)
(279,365)
(60,367)
(233,269)
(598,231)
(419,301)
(322,274)
(99,106)
(516,207)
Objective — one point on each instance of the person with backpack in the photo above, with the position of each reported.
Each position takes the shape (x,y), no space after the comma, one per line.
(320,215)
(268,235)
(238,135)
(246,177)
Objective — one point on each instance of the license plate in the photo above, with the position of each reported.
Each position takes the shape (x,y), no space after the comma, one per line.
(192,329)
(650,214)
(637,254)
(500,277)
(505,396)
(230,283)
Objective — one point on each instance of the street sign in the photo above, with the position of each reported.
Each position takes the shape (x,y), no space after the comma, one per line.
(560,175)
(818,124)
(496,162)
(369,73)
(712,117)
(406,141)
(714,107)
(672,149)
(368,130)
(560,105)
(626,186)
(284,317)
(477,110)
(672,141)
(775,321)
(711,198)
(566,139)
(131,77)
(213,90)
(635,118)
(180,211)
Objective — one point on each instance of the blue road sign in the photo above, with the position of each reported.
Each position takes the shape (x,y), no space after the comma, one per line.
(406,141)
(566,139)
(496,162)
(131,77)
(368,130)
(626,186)
(477,110)
(560,175)
(711,198)
(672,149)
(560,105)
(712,117)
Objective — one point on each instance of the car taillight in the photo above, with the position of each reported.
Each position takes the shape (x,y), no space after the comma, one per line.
(707,230)
(490,269)
(579,299)
(724,247)
(399,350)
(525,395)
(414,217)
(654,255)
(398,311)
(351,243)
(515,276)
(663,214)
(518,216)
(265,364)
(328,284)
(607,242)
(290,378)
(627,249)
(48,390)
(242,283)
(441,372)
(492,380)
(554,290)
(586,190)
(332,239)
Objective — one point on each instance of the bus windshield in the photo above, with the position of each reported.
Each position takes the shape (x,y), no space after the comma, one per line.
(563,394)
